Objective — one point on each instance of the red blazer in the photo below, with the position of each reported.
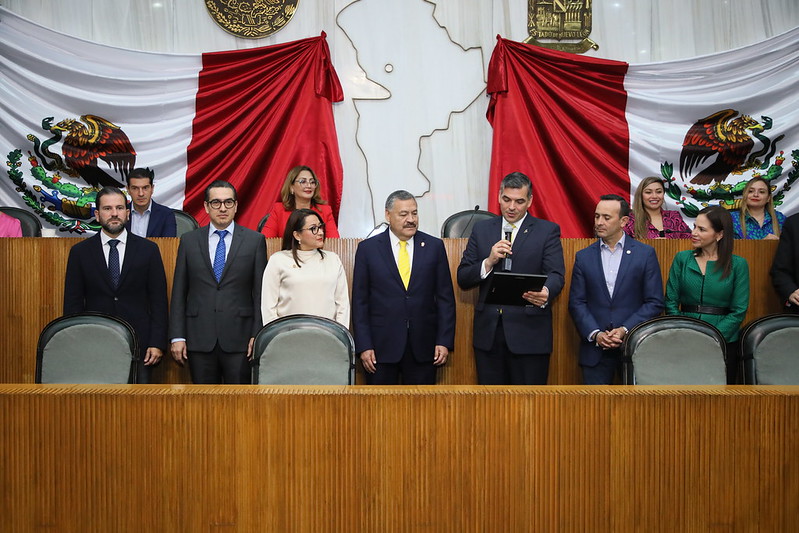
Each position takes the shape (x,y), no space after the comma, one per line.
(278,217)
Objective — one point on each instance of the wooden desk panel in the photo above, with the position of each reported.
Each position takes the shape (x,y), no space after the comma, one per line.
(33,269)
(257,458)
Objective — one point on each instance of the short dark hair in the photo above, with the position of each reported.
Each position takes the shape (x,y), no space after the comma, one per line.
(105,191)
(221,184)
(138,173)
(295,223)
(624,205)
(517,180)
(398,195)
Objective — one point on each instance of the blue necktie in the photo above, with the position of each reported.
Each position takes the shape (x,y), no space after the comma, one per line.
(219,256)
(113,262)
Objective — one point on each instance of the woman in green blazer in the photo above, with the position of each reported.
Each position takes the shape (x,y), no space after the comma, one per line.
(710,283)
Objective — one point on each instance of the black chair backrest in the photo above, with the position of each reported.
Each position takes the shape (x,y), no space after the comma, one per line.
(185,222)
(769,351)
(304,350)
(674,350)
(263,222)
(30,223)
(87,348)
(459,225)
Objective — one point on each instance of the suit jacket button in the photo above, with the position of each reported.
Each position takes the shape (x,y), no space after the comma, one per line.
(116,299)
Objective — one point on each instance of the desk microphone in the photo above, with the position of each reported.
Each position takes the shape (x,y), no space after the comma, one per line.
(469,222)
(508,230)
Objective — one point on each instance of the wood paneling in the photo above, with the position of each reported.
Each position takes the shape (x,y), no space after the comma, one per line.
(34,287)
(257,458)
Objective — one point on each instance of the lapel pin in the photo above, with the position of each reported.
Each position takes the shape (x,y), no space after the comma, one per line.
(628,252)
(422,245)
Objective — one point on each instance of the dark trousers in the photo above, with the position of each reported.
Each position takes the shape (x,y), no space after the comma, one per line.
(604,372)
(143,372)
(500,366)
(412,371)
(219,366)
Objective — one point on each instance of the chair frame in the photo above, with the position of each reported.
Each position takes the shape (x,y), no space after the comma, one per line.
(186,216)
(22,215)
(303,321)
(479,213)
(54,326)
(262,223)
(639,332)
(751,337)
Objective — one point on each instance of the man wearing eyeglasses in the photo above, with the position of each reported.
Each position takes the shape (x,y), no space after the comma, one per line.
(216,294)
(403,305)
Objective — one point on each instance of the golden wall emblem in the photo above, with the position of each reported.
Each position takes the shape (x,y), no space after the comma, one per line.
(251,19)
(560,24)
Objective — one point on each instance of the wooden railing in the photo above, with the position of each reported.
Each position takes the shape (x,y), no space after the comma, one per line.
(189,458)
(33,275)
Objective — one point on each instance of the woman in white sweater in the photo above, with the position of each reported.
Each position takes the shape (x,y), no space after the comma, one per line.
(302,278)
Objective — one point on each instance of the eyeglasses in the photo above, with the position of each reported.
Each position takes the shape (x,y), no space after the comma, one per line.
(217,204)
(303,182)
(315,229)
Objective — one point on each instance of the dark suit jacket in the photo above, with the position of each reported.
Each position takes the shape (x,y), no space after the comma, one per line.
(785,269)
(536,250)
(204,311)
(385,315)
(140,299)
(162,222)
(637,293)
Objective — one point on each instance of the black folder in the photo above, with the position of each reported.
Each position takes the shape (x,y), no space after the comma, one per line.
(507,287)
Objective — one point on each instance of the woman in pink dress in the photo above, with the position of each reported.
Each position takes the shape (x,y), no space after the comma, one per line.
(649,220)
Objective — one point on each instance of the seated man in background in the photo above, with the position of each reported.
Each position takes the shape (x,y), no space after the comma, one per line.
(785,269)
(122,275)
(616,285)
(147,218)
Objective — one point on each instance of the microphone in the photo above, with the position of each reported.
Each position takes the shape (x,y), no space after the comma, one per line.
(469,223)
(508,230)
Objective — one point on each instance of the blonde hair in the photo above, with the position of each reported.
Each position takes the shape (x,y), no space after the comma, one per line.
(744,209)
(641,215)
(285,192)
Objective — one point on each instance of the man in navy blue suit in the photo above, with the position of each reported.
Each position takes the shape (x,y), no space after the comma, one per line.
(403,305)
(616,285)
(136,292)
(512,343)
(147,218)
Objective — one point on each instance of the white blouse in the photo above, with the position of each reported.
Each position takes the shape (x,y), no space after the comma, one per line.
(317,287)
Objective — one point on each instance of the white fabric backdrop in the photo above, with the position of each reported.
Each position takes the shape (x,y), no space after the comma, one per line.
(391,55)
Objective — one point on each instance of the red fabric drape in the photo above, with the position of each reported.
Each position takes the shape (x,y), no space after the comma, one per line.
(559,118)
(261,112)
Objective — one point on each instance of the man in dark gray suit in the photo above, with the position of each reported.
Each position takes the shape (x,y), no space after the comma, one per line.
(216,294)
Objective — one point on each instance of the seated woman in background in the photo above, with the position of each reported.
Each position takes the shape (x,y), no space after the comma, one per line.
(762,221)
(649,220)
(301,190)
(303,279)
(710,283)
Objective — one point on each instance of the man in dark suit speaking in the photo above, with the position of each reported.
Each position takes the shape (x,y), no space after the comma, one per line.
(616,285)
(216,293)
(147,218)
(512,343)
(120,274)
(403,306)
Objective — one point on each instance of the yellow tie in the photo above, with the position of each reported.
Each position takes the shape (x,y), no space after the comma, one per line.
(404,263)
(512,236)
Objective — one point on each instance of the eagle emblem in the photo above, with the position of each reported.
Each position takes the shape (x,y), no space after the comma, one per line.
(87,140)
(730,139)
(57,194)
